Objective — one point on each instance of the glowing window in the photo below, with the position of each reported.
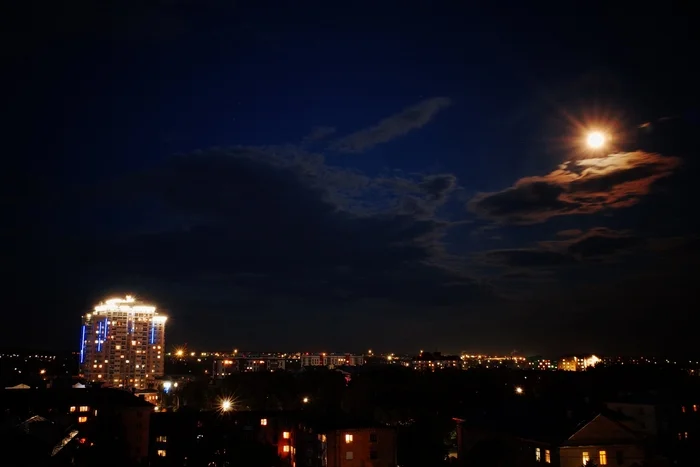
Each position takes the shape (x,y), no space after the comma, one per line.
(285,435)
(348,438)
(162,439)
(263,421)
(84,408)
(285,448)
(72,409)
(683,409)
(695,407)
(547,456)
(348,456)
(161,452)
(586,458)
(538,455)
(603,458)
(82,419)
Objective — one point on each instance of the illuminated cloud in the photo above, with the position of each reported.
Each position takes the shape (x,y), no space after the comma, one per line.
(577,187)
(393,127)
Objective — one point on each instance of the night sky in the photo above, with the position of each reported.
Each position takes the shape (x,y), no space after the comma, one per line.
(299,175)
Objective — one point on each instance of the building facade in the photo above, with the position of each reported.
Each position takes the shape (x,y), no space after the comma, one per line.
(123,343)
(579,363)
(323,359)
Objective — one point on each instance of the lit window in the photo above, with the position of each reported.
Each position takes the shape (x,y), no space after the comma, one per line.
(84,408)
(95,412)
(285,435)
(538,455)
(72,409)
(603,457)
(82,419)
(162,439)
(683,409)
(161,452)
(586,458)
(263,421)
(348,456)
(685,435)
(547,456)
(348,438)
(695,407)
(285,448)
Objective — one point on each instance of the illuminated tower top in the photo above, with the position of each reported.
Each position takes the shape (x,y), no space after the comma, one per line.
(128,304)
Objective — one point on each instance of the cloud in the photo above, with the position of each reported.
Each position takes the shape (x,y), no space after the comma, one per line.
(601,242)
(526,258)
(268,223)
(319,133)
(569,233)
(393,127)
(596,245)
(577,187)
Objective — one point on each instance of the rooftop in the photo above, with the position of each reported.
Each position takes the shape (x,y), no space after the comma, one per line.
(93,397)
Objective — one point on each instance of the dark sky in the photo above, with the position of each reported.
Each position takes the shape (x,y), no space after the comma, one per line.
(349,175)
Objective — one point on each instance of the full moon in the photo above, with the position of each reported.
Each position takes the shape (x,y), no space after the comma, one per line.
(595,140)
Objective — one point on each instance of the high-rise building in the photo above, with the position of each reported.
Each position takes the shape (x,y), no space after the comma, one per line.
(123,343)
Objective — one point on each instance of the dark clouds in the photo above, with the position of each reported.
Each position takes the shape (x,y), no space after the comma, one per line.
(584,186)
(597,244)
(411,118)
(257,220)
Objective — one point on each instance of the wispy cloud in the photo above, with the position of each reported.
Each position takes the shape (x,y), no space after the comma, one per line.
(319,133)
(393,127)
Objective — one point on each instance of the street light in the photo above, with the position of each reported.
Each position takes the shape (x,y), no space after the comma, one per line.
(518,390)
(305,400)
(226,405)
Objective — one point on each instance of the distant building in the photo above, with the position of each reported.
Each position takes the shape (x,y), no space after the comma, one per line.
(222,367)
(249,438)
(122,343)
(579,363)
(428,361)
(331,360)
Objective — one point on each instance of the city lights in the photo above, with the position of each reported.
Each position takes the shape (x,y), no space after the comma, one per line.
(519,390)
(305,400)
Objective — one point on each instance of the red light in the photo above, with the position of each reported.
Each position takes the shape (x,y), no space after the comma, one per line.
(83,440)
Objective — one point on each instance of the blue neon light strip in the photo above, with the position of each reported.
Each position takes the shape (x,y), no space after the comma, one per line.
(82,346)
(99,336)
(105,330)
(153,332)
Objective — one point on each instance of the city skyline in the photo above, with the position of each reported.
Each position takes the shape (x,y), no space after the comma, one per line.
(452,177)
